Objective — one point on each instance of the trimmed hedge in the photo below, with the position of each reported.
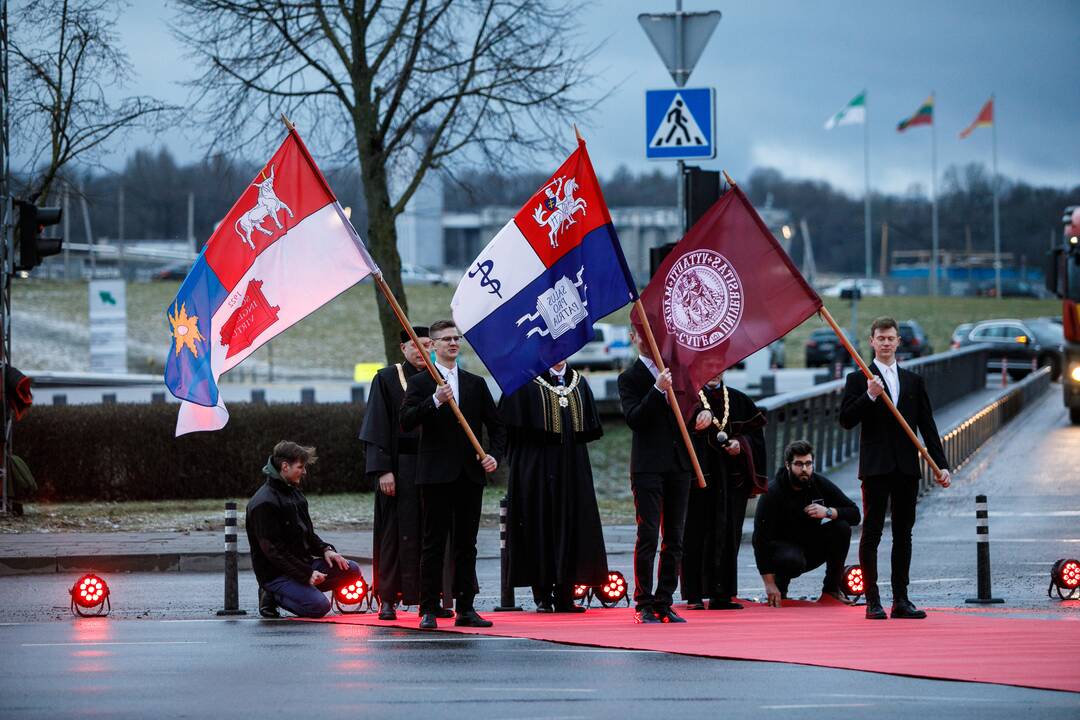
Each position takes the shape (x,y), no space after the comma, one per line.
(128,451)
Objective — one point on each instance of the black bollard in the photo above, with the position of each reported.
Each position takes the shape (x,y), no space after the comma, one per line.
(982,536)
(232,591)
(506,596)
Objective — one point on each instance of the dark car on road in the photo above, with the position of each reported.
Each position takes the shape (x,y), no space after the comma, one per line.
(914,342)
(823,348)
(1015,344)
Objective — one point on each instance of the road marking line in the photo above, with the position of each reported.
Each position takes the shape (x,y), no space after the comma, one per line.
(815,706)
(92,644)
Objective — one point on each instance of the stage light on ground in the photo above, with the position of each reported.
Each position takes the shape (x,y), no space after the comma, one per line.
(612,591)
(581,592)
(90,596)
(852,585)
(350,596)
(1065,577)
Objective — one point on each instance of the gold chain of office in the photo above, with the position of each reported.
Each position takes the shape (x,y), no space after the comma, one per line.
(727,407)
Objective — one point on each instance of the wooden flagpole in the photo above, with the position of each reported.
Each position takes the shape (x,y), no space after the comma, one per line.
(827,317)
(670,393)
(400,314)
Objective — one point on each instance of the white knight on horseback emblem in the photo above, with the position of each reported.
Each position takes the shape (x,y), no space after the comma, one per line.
(561,206)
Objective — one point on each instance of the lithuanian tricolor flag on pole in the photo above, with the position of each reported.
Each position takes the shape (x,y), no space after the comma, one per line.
(985,119)
(923,116)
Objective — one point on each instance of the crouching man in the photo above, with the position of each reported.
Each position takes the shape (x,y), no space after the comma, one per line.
(802,523)
(293,565)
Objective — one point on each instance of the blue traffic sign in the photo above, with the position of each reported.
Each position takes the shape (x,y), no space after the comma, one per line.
(680,124)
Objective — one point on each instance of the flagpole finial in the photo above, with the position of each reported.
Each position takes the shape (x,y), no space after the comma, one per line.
(728,178)
(577,133)
(288,123)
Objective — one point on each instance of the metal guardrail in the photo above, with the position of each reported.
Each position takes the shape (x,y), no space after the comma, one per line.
(813,414)
(966,437)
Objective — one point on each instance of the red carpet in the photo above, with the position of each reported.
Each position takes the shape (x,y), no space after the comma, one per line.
(946,646)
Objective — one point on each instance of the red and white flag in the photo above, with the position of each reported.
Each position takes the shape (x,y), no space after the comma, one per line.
(726,290)
(284,249)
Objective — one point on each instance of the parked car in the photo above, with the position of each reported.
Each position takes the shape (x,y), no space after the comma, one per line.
(1012,288)
(1018,342)
(172,271)
(959,334)
(914,342)
(823,348)
(610,349)
(867,286)
(416,275)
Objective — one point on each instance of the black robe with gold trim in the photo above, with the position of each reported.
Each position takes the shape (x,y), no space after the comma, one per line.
(555,534)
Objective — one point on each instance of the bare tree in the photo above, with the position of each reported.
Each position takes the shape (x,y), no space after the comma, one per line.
(402,87)
(66,63)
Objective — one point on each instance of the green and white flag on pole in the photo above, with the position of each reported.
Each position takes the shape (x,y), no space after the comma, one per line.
(854,113)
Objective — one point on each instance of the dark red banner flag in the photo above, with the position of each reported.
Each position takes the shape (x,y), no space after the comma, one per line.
(725,291)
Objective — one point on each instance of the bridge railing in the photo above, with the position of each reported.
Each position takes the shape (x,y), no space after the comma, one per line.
(813,414)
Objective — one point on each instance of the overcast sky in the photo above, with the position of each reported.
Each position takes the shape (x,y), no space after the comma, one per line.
(782,67)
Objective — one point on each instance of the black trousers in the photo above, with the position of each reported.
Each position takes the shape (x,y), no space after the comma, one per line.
(714,525)
(879,491)
(827,544)
(454,505)
(660,500)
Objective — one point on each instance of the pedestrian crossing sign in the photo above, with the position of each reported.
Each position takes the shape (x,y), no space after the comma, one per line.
(680,124)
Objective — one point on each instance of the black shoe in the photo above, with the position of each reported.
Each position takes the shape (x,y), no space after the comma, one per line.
(444,613)
(469,618)
(874,611)
(905,610)
(544,608)
(667,615)
(695,605)
(646,616)
(387,612)
(571,608)
(427,622)
(267,606)
(724,605)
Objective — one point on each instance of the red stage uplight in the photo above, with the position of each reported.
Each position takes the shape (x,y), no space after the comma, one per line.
(613,590)
(1065,576)
(580,592)
(350,596)
(90,596)
(853,585)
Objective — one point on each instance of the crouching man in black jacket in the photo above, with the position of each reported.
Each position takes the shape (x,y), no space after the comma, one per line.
(802,522)
(293,565)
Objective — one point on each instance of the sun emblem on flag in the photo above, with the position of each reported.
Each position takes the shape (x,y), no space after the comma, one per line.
(185,330)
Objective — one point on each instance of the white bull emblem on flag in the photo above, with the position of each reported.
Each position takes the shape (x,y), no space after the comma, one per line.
(267,205)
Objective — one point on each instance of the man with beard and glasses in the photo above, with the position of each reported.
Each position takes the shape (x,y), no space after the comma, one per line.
(801,523)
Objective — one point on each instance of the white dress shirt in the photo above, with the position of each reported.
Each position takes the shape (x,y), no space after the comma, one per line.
(651,366)
(451,377)
(891,375)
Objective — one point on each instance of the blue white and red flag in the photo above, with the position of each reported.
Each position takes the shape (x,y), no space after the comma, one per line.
(283,250)
(530,298)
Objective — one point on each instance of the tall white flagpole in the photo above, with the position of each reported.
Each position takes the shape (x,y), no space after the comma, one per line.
(866,170)
(997,184)
(933,200)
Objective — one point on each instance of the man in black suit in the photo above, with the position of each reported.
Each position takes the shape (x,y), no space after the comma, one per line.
(889,462)
(450,476)
(660,472)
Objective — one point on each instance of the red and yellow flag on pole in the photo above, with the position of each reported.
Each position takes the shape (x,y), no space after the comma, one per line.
(984,119)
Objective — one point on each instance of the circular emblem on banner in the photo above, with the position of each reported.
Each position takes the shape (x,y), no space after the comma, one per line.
(703,300)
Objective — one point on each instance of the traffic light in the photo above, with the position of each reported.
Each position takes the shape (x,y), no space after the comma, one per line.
(31,247)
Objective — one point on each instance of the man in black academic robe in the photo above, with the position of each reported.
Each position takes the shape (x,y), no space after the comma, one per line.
(555,536)
(390,462)
(734,465)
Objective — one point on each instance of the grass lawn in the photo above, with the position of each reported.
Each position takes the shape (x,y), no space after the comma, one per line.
(345,331)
